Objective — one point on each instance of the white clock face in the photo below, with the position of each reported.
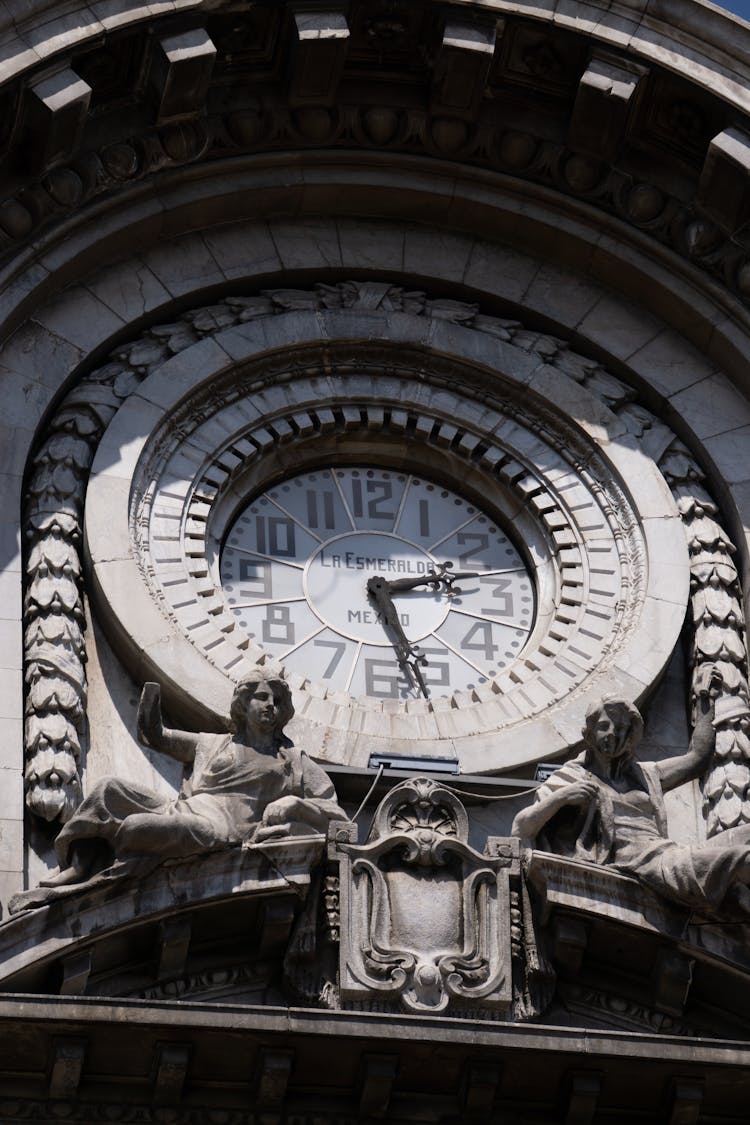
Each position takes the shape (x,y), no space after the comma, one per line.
(297,560)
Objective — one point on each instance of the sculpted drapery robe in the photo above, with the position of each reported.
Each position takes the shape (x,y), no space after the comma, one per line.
(628,830)
(221,803)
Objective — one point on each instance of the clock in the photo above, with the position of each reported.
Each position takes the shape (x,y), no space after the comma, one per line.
(456,602)
(299,506)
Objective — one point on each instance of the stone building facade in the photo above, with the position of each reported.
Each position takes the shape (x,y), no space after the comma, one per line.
(398,350)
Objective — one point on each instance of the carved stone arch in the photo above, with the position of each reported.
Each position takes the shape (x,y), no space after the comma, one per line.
(201,337)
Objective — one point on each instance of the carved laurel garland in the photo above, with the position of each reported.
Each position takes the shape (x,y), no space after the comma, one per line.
(55,651)
(718,639)
(54,611)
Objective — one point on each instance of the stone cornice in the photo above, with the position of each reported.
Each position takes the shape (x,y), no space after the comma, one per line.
(680,34)
(222,1052)
(642,124)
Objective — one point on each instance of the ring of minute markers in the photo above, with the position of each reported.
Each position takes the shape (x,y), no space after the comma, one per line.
(296,562)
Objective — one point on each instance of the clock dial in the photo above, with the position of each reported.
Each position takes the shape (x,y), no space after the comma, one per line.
(296,564)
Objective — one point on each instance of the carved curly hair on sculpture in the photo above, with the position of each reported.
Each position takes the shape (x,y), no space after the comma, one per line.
(625,717)
(247,687)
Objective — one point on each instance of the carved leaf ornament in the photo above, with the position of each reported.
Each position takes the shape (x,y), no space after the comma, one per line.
(718,642)
(54,616)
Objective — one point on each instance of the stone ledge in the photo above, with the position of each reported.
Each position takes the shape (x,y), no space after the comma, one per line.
(602,893)
(60,921)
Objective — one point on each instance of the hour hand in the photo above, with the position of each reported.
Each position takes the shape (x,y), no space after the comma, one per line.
(407,654)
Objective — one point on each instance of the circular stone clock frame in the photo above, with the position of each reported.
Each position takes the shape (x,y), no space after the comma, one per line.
(237,412)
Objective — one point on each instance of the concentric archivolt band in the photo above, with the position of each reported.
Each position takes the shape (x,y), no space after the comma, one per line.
(214,422)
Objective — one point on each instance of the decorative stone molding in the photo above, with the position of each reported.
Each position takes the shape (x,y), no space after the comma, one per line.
(719,641)
(464,72)
(425,919)
(682,227)
(277,870)
(53,604)
(590,1002)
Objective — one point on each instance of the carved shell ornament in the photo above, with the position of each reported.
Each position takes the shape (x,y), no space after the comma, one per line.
(214,437)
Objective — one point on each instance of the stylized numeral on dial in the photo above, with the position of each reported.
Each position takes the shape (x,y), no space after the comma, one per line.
(278,626)
(505,608)
(424,518)
(483,630)
(326,503)
(381,684)
(339,648)
(256,575)
(275,536)
(384,487)
(479,543)
(436,673)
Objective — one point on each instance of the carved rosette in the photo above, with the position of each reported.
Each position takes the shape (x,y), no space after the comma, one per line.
(718,641)
(425,919)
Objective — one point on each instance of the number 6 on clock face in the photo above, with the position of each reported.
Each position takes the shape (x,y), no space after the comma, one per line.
(297,559)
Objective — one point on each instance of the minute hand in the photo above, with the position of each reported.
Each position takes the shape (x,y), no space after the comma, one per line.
(407,654)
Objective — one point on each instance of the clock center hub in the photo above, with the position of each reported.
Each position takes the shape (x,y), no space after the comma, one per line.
(336,586)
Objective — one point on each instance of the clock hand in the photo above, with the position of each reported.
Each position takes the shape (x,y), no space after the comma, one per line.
(407,654)
(441,576)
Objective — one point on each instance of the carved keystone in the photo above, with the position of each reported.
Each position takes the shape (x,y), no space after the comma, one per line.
(463,65)
(671,977)
(584,1095)
(180,73)
(320,45)
(378,1076)
(67,1066)
(56,110)
(687,1098)
(606,95)
(275,1071)
(482,1080)
(171,1070)
(724,188)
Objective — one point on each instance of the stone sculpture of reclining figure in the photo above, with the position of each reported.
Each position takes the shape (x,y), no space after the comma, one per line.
(607,808)
(250,785)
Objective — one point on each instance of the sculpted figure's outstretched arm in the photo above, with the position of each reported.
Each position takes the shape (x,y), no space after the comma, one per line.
(179,744)
(317,805)
(529,822)
(686,767)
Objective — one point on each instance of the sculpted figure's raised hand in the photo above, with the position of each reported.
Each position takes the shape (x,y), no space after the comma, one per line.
(244,787)
(605,807)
